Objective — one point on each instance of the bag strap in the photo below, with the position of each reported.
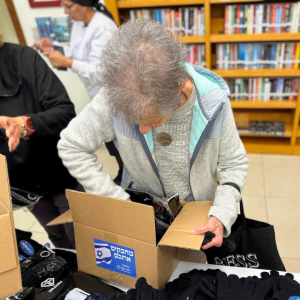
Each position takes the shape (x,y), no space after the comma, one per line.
(241,202)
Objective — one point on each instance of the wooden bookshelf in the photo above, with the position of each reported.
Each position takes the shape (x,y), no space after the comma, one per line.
(272,104)
(287,134)
(264,37)
(192,39)
(233,1)
(258,73)
(273,110)
(156,3)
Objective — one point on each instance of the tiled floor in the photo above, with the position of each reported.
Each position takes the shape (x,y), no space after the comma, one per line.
(271,194)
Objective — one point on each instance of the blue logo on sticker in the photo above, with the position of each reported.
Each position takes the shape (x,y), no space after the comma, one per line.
(26,248)
(294,298)
(115,258)
(21,257)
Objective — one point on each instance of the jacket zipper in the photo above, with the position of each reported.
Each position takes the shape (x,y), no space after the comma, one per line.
(201,141)
(149,156)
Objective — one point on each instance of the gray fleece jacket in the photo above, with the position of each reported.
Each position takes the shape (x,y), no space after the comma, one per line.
(217,153)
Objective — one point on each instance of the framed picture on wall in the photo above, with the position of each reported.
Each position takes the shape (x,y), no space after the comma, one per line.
(44,3)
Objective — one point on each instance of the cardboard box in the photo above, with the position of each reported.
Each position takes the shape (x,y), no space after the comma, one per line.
(115,239)
(10,273)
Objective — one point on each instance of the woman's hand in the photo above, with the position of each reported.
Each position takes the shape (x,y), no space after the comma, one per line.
(213,225)
(44,44)
(13,130)
(58,60)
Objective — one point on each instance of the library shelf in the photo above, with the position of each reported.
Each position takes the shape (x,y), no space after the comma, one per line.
(192,39)
(258,73)
(272,104)
(263,37)
(287,134)
(232,1)
(156,3)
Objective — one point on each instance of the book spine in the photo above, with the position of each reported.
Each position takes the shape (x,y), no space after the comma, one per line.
(268,21)
(283,17)
(294,55)
(199,18)
(279,8)
(186,21)
(256,86)
(298,55)
(273,18)
(282,55)
(252,19)
(278,47)
(237,21)
(195,31)
(264,18)
(226,19)
(231,56)
(287,16)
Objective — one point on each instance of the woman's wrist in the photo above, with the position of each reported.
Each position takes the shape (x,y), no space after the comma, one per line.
(68,62)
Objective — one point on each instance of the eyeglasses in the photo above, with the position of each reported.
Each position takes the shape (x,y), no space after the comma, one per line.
(67,6)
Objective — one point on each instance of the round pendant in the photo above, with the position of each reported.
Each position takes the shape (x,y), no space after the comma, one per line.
(164,139)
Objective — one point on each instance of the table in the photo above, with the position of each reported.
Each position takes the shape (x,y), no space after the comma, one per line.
(184,267)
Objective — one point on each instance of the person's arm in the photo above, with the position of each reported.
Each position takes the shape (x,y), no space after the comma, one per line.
(233,165)
(87,69)
(58,110)
(84,135)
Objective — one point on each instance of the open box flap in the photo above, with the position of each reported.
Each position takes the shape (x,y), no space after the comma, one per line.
(120,217)
(5,198)
(62,219)
(7,250)
(193,214)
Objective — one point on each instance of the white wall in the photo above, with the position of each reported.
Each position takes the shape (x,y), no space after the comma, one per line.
(6,26)
(71,81)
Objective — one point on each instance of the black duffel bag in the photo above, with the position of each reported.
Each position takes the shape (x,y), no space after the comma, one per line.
(255,245)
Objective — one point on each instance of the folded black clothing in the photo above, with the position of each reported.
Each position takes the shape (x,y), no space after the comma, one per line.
(68,256)
(46,268)
(26,246)
(287,288)
(143,291)
(227,246)
(89,283)
(201,289)
(268,275)
(29,262)
(186,280)
(55,287)
(26,293)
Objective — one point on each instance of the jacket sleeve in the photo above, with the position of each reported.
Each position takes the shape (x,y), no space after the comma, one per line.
(87,69)
(57,108)
(84,135)
(233,166)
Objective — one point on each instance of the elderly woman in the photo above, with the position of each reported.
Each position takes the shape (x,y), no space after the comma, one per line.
(171,122)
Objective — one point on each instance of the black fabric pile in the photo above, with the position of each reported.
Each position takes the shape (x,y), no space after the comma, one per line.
(215,284)
(51,274)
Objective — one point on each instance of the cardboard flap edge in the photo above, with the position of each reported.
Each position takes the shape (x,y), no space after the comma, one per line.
(62,219)
(194,214)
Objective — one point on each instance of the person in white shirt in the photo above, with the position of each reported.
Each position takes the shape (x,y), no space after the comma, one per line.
(92,28)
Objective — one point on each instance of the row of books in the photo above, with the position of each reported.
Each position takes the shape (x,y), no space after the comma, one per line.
(265,127)
(258,56)
(265,89)
(196,55)
(181,22)
(260,18)
(57,29)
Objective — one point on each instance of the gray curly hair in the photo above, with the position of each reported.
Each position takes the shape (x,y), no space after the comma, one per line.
(142,66)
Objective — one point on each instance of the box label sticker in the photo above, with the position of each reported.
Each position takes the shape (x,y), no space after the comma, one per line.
(115,258)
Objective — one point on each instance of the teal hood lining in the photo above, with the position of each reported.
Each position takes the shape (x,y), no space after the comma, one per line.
(204,84)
